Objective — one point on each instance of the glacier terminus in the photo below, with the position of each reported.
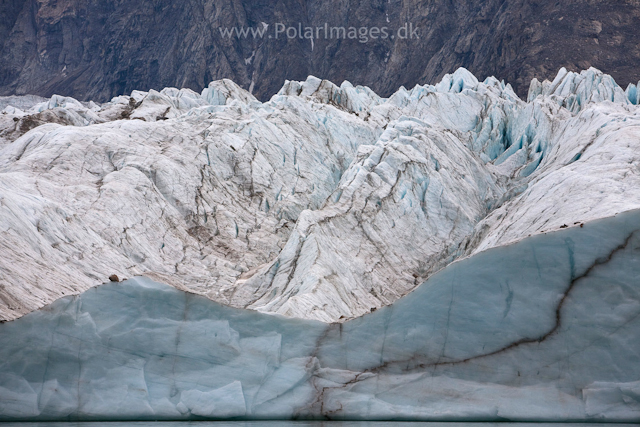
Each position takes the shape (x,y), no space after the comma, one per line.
(449,253)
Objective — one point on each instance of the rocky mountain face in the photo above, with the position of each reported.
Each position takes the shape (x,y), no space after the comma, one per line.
(100,49)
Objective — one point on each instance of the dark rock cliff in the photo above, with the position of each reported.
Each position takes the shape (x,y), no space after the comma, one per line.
(96,49)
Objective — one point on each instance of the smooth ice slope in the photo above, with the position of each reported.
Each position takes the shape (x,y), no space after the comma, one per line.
(324,203)
(545,329)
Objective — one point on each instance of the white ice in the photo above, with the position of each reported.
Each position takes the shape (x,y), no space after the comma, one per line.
(324,203)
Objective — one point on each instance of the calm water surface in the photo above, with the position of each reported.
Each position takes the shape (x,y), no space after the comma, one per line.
(300,424)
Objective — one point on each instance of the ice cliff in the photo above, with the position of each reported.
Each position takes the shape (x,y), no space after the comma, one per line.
(545,329)
(451,252)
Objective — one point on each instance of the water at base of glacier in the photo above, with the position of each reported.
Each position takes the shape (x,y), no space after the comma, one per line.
(297,424)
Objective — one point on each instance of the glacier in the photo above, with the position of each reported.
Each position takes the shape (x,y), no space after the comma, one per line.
(449,253)
(324,203)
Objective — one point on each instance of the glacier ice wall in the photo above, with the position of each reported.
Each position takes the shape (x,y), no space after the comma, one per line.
(545,329)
